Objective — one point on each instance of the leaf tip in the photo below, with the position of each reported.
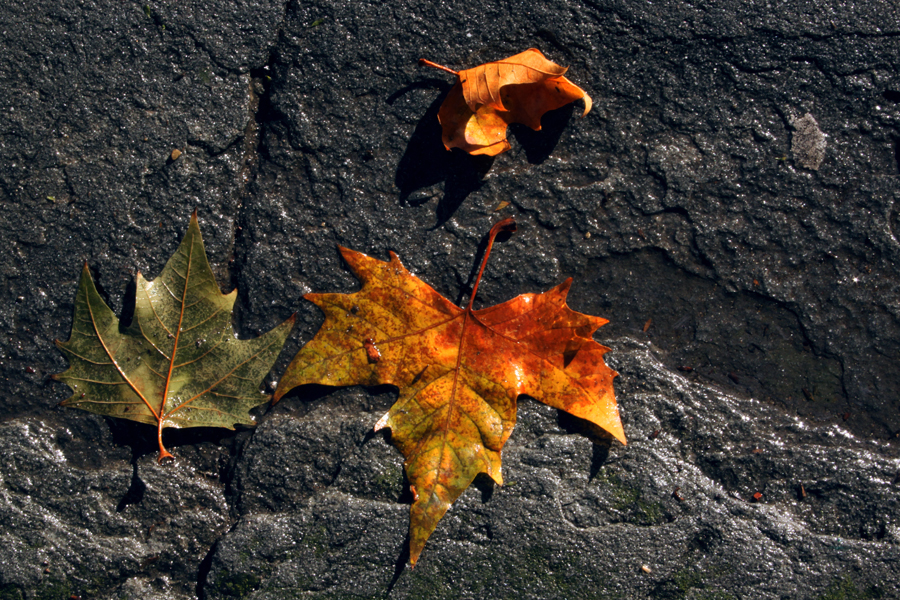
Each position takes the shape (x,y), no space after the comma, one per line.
(278,395)
(193,228)
(588,103)
(347,254)
(382,422)
(615,428)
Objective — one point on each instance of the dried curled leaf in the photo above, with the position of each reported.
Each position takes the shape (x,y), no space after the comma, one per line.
(179,363)
(487,98)
(459,371)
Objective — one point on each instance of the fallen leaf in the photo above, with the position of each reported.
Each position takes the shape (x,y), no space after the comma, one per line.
(179,363)
(459,372)
(487,98)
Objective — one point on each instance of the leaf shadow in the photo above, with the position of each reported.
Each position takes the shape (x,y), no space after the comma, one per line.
(135,492)
(484,484)
(539,145)
(129,303)
(426,163)
(141,437)
(600,439)
(302,399)
(399,566)
(466,288)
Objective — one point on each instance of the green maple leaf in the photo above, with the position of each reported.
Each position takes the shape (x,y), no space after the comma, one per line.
(178,364)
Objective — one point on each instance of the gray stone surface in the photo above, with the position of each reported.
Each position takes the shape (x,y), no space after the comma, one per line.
(71,528)
(808,143)
(578,519)
(753,299)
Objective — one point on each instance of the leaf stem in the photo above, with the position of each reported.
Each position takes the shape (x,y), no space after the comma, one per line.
(427,63)
(506,225)
(163,453)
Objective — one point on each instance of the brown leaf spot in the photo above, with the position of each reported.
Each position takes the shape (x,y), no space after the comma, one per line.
(372,353)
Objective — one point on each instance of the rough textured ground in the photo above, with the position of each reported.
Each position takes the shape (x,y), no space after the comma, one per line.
(731,204)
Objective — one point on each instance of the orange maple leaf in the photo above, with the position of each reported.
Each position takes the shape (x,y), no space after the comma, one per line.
(459,372)
(487,98)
